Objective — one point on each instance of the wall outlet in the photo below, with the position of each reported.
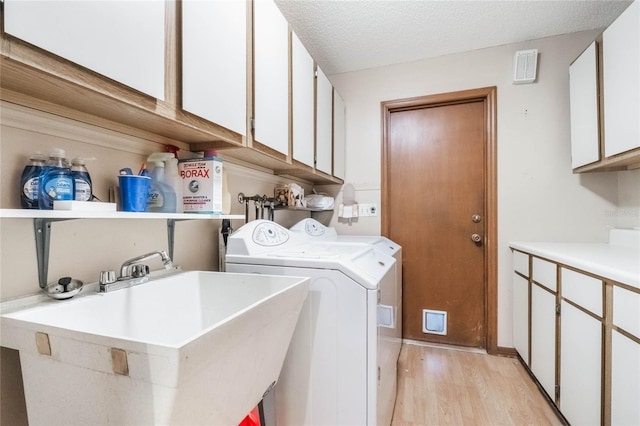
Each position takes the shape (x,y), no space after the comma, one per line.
(367,209)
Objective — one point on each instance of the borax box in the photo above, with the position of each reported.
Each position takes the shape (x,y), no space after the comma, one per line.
(202,185)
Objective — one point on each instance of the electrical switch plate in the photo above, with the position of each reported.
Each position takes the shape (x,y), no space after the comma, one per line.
(373,209)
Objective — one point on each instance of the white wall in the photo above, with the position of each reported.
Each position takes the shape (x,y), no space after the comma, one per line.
(538,196)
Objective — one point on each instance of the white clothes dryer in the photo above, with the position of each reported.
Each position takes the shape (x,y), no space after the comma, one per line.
(390,307)
(334,367)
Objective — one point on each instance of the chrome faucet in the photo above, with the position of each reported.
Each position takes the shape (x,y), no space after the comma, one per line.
(132,272)
(133,268)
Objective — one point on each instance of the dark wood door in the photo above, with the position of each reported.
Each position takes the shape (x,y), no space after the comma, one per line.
(435,177)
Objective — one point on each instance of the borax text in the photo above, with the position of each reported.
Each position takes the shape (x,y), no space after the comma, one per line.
(202,173)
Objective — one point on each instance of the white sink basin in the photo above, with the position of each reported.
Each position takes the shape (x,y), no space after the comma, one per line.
(192,348)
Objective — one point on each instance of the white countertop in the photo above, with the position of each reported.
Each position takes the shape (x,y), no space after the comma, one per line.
(618,260)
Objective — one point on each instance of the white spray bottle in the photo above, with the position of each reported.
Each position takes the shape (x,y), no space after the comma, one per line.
(172,177)
(162,197)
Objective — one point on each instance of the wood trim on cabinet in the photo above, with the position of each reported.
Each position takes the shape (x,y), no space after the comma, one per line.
(37,79)
(606,321)
(628,160)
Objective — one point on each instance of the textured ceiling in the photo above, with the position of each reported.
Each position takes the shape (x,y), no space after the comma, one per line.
(349,35)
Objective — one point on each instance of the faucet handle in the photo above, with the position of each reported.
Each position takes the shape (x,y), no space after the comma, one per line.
(139,270)
(107,277)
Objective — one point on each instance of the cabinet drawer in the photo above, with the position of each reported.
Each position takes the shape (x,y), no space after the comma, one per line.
(545,273)
(582,290)
(626,310)
(521,263)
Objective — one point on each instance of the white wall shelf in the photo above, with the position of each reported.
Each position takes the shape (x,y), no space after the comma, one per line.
(68,215)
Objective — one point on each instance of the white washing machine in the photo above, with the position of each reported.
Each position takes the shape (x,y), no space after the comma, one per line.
(335,370)
(391,298)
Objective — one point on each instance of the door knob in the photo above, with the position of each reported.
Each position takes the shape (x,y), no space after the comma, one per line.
(476,238)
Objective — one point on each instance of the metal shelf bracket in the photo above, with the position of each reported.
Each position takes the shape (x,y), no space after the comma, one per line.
(171,232)
(42,232)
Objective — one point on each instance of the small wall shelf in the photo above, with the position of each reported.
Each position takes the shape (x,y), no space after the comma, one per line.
(303,209)
(42,220)
(68,215)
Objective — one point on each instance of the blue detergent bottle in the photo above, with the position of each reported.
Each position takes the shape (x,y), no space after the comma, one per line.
(56,181)
(82,180)
(29,181)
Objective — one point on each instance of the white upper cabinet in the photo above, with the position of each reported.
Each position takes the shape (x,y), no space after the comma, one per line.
(339,136)
(122,40)
(271,76)
(324,112)
(583,95)
(302,83)
(214,61)
(621,73)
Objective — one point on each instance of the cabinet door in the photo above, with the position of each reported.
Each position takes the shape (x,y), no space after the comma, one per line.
(521,316)
(543,338)
(271,76)
(625,380)
(621,71)
(580,366)
(339,136)
(583,96)
(122,40)
(302,102)
(214,61)
(324,104)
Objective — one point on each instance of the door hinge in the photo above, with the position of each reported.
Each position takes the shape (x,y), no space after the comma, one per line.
(379,295)
(315,74)
(252,124)
(557,309)
(557,392)
(378,373)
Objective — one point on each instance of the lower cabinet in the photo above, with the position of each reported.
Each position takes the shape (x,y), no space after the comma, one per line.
(521,316)
(580,366)
(581,342)
(625,380)
(625,358)
(543,338)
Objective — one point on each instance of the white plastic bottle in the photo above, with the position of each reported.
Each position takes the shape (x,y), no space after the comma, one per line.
(172,177)
(161,198)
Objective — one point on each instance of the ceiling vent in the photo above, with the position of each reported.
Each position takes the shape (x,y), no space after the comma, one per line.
(524,66)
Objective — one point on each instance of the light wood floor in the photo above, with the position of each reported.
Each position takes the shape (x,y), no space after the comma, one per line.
(448,386)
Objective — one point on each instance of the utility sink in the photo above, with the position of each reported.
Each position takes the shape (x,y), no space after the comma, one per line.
(191,348)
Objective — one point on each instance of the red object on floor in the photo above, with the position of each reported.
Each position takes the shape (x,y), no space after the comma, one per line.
(252,419)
